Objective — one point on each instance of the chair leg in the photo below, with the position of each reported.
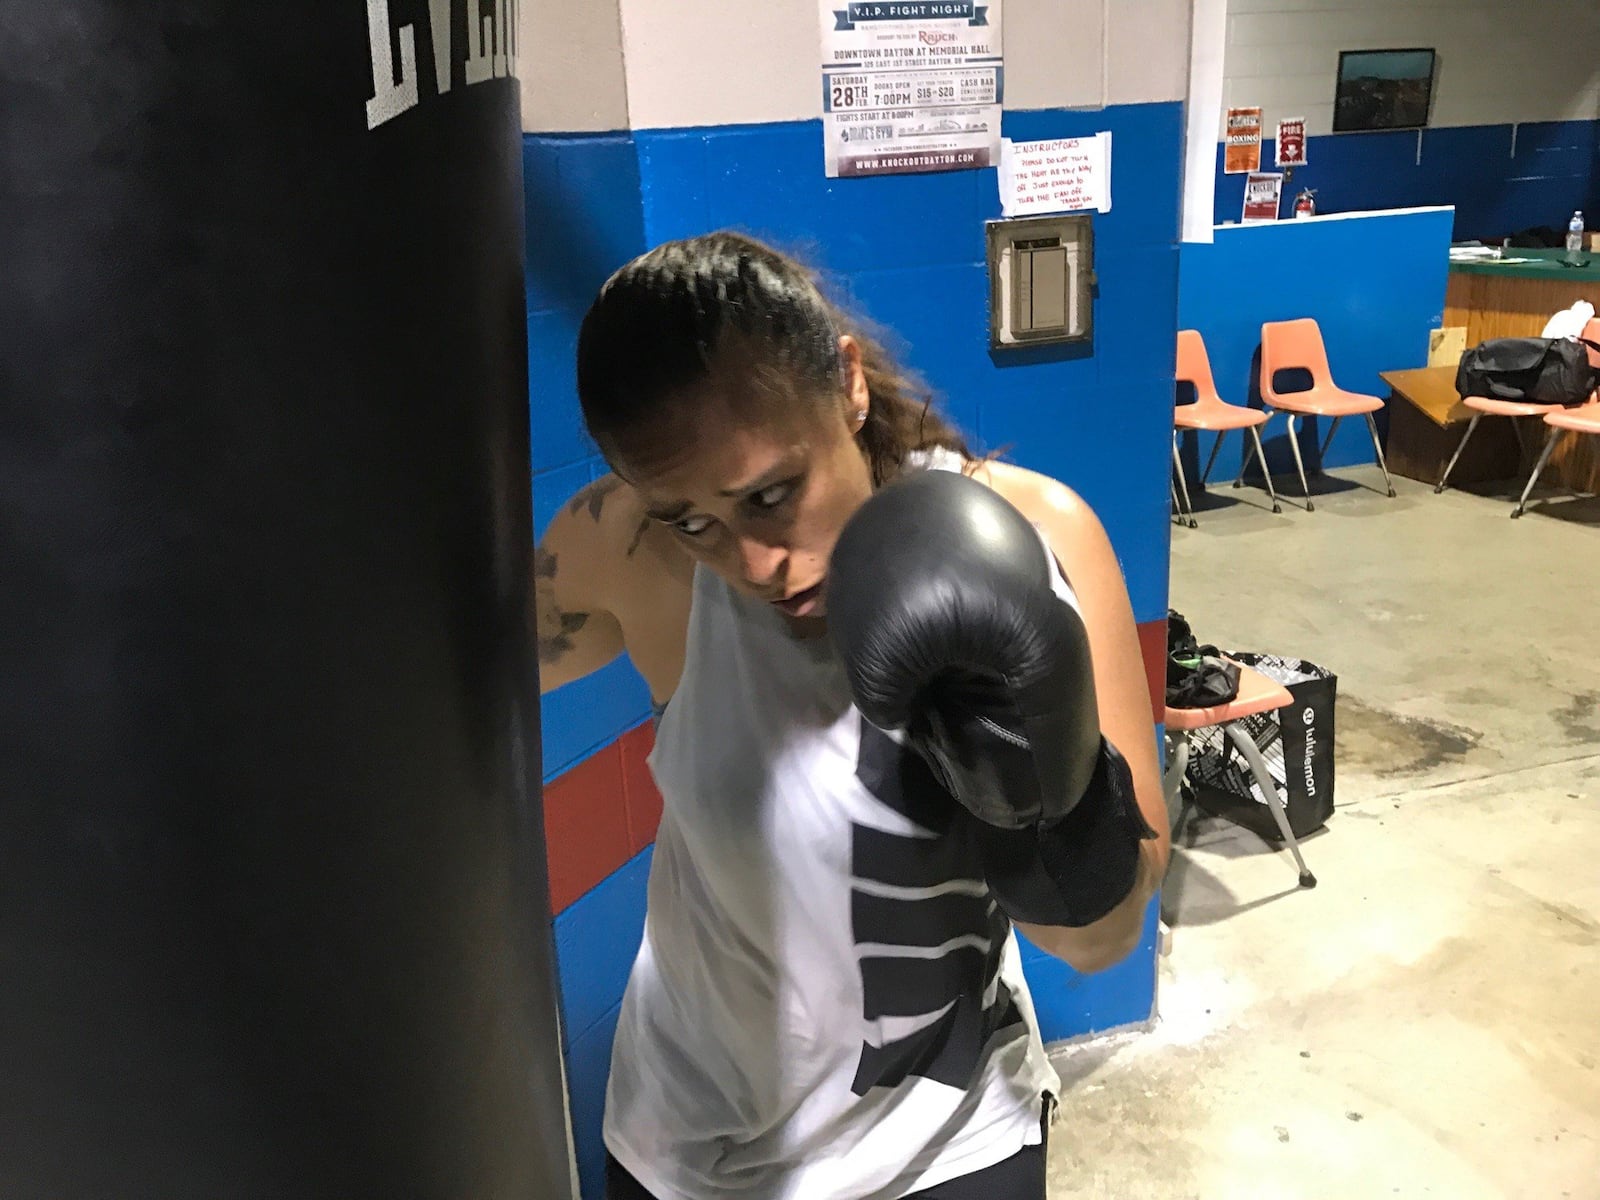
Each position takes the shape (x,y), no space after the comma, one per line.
(1172,780)
(1258,768)
(1183,484)
(1244,459)
(1322,455)
(1472,427)
(1538,470)
(1255,436)
(1377,448)
(1181,825)
(1212,461)
(1299,463)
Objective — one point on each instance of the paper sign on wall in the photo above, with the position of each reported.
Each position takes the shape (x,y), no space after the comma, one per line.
(1064,175)
(1292,142)
(1262,193)
(1243,153)
(911,85)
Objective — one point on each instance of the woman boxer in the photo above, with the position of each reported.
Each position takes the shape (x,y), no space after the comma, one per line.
(828,1001)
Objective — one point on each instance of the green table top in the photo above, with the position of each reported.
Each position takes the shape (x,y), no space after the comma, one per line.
(1545,264)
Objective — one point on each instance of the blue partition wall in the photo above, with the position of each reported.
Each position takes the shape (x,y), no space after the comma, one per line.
(1375,284)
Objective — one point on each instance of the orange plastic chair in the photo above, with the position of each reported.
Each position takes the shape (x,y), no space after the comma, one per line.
(1584,419)
(1257,694)
(1286,345)
(1485,406)
(1210,412)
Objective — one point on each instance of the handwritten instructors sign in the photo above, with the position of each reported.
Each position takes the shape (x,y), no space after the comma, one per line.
(1064,175)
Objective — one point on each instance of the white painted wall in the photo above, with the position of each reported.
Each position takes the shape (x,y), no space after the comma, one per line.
(1055,53)
(570,59)
(1499,61)
(649,64)
(1147,50)
(1208,44)
(721,62)
(1090,53)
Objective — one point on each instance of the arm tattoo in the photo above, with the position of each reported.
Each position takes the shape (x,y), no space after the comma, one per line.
(556,628)
(554,647)
(594,497)
(638,536)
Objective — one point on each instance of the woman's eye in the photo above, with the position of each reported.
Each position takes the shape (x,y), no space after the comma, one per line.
(692,526)
(773,496)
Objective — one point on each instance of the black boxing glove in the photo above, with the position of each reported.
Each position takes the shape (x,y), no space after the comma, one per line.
(941,606)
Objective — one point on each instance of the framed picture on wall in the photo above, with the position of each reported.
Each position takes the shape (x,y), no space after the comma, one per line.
(1383,89)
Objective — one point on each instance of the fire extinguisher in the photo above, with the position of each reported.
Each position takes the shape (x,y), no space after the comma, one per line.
(1305,204)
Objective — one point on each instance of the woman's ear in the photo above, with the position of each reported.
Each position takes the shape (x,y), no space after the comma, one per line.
(858,397)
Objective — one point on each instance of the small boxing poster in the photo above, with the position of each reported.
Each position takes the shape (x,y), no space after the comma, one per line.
(1243,153)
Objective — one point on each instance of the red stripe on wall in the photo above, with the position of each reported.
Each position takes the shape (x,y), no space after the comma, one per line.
(607,809)
(642,799)
(586,825)
(1153,645)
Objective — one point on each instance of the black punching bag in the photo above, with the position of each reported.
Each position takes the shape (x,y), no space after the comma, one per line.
(272,898)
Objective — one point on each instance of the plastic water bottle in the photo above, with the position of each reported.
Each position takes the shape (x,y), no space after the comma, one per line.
(1575,233)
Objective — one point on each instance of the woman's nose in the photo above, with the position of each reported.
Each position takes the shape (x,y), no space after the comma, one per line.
(761,563)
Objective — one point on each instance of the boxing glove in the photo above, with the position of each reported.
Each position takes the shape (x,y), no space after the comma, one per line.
(941,606)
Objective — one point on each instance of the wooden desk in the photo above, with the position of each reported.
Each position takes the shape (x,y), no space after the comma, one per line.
(1426,423)
(1515,300)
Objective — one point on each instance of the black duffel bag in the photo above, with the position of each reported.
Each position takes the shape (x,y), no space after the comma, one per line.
(1530,371)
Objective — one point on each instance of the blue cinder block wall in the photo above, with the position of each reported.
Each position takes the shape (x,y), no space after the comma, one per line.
(1500,178)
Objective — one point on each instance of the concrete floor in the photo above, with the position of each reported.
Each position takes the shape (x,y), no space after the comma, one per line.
(1426,1022)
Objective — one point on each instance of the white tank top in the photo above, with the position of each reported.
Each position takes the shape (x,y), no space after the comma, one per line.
(827,1002)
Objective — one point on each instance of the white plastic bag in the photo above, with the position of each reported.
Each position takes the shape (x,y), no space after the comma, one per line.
(1569,322)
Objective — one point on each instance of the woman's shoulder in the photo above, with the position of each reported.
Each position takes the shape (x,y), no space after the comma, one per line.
(1043,500)
(611,552)
(1064,517)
